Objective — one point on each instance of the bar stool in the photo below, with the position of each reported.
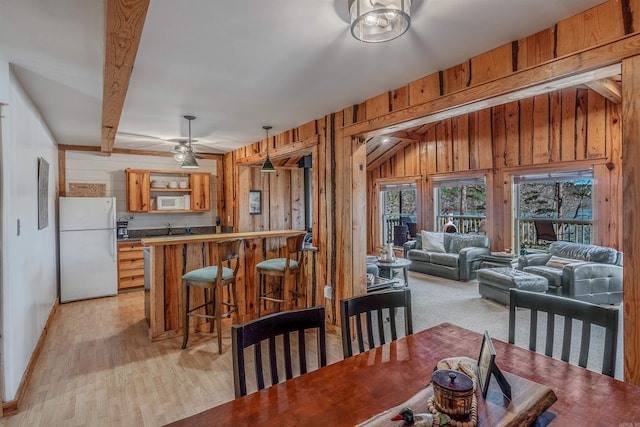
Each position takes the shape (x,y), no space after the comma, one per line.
(286,270)
(211,280)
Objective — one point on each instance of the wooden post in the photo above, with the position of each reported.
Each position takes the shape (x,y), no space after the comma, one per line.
(631,221)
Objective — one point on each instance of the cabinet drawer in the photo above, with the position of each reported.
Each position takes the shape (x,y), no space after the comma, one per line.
(131,273)
(127,264)
(130,282)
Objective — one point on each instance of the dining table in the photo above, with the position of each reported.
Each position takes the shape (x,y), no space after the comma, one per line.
(357,389)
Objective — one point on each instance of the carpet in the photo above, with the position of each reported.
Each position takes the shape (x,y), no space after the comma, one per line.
(436,300)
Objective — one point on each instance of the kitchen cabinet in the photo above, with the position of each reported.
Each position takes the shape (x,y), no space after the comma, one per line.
(145,186)
(130,265)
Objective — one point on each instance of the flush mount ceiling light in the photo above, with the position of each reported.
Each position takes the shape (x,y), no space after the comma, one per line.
(189,159)
(267,166)
(376,21)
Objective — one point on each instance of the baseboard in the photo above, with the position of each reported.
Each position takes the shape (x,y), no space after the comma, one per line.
(11,407)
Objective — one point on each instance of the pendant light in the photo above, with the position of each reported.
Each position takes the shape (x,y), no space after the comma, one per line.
(267,166)
(189,161)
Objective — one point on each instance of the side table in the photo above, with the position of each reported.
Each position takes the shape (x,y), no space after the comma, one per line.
(386,268)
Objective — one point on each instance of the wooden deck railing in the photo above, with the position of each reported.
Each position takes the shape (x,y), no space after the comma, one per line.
(576,231)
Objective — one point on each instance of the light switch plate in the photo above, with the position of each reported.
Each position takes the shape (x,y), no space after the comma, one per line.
(327,291)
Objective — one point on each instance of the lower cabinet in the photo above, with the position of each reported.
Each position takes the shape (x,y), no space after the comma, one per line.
(130,265)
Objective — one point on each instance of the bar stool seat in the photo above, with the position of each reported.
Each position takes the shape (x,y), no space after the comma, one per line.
(288,269)
(212,280)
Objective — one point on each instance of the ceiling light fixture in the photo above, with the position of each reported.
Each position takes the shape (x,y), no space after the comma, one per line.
(189,161)
(267,166)
(376,21)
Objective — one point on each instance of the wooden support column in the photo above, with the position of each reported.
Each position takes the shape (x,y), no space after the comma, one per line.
(631,220)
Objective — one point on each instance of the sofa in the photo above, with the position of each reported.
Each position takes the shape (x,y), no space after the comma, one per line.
(586,272)
(451,255)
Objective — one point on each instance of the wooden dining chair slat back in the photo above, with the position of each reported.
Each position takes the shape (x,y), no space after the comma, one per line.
(270,327)
(569,309)
(374,303)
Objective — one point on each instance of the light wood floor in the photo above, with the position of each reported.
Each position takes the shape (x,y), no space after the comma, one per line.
(98,368)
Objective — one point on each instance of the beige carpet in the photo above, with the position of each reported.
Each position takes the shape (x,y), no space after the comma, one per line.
(436,300)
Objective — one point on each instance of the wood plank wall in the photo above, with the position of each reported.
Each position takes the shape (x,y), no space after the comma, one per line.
(567,129)
(610,22)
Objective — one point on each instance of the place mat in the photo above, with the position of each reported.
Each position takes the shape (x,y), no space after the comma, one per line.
(529,401)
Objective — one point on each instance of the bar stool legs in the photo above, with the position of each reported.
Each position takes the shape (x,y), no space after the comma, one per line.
(212,280)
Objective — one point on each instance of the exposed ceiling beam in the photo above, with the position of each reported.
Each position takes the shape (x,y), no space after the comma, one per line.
(124,20)
(609,88)
(571,70)
(299,148)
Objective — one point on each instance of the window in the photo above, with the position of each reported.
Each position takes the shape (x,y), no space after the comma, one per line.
(399,211)
(462,202)
(563,199)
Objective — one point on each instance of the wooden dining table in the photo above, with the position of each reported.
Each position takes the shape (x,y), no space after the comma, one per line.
(353,390)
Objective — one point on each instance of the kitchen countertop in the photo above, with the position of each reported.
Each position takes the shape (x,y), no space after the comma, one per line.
(196,238)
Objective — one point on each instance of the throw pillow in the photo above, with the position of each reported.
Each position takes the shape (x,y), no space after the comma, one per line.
(559,262)
(432,241)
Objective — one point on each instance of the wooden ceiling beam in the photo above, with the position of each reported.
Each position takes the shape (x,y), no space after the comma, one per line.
(609,88)
(567,71)
(299,148)
(124,20)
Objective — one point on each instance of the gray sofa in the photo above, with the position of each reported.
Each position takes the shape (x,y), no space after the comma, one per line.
(459,261)
(586,272)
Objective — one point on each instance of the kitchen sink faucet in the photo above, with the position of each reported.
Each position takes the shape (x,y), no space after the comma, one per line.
(168,228)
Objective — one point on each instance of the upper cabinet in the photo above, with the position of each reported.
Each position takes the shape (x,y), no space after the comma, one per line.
(155,191)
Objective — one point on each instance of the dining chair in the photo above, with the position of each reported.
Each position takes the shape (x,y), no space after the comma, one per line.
(212,280)
(288,271)
(374,303)
(270,327)
(568,309)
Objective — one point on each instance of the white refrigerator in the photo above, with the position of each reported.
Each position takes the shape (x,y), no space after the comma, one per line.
(88,248)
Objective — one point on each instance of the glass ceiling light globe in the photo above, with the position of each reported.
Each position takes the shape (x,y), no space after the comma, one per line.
(376,21)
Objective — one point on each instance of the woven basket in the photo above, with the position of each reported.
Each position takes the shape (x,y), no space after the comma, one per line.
(87,190)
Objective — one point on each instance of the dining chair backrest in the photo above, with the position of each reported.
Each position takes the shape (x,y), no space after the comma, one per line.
(375,302)
(270,327)
(570,309)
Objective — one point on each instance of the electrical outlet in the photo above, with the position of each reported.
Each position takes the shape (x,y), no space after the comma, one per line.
(327,291)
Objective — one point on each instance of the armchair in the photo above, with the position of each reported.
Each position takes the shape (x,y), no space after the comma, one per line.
(586,272)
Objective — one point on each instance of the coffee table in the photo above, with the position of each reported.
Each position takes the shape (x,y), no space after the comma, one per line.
(386,268)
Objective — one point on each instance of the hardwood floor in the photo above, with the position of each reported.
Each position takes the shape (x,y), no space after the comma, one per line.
(98,368)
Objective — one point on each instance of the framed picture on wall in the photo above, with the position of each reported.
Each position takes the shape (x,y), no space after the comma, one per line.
(255,202)
(43,192)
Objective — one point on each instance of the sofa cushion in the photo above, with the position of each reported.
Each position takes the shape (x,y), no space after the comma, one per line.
(461,241)
(418,255)
(553,275)
(450,260)
(558,262)
(582,252)
(433,241)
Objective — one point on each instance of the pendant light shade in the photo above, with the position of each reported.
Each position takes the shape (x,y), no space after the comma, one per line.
(189,159)
(376,21)
(267,166)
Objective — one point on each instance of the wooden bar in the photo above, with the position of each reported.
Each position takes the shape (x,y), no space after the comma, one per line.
(173,256)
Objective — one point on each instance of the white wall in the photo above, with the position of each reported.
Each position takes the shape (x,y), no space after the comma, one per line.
(96,168)
(29,260)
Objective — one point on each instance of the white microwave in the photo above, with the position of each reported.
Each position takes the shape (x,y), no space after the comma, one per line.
(172,203)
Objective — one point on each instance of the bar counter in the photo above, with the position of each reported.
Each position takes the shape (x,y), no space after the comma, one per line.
(169,257)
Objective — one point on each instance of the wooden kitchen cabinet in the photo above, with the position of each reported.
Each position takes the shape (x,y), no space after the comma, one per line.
(138,191)
(130,265)
(142,192)
(200,194)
